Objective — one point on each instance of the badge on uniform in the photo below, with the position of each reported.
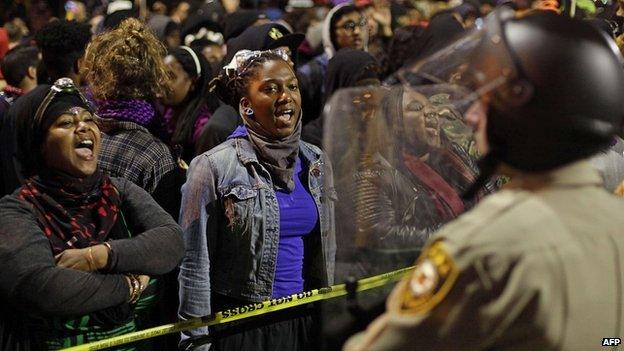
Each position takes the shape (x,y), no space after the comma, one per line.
(431,280)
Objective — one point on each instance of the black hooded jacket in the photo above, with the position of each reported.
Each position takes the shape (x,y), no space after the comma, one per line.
(345,69)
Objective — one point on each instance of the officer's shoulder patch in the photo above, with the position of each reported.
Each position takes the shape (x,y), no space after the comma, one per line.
(429,283)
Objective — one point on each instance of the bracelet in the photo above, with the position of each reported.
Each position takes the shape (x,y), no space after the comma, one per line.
(108,258)
(135,287)
(90,259)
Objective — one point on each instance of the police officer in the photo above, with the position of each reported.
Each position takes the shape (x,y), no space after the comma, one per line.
(540,264)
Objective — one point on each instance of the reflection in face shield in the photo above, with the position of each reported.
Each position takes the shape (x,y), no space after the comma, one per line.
(400,160)
(476,117)
(401,157)
(421,119)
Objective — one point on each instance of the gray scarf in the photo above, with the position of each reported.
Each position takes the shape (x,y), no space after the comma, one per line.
(278,156)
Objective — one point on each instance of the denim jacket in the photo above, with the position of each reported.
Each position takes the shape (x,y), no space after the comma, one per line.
(230,218)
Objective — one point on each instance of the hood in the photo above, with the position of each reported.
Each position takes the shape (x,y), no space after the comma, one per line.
(328,46)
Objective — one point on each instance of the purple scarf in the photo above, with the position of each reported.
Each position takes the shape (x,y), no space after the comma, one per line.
(140,112)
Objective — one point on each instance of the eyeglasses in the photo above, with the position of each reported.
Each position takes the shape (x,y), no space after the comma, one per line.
(244,58)
(62,85)
(351,25)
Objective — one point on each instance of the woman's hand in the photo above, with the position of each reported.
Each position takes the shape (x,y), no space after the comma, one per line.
(133,292)
(144,279)
(87,260)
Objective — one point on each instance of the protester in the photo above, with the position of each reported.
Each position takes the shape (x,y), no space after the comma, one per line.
(62,44)
(378,15)
(401,46)
(205,36)
(261,37)
(190,104)
(116,12)
(201,26)
(126,72)
(81,252)
(441,31)
(20,70)
(166,30)
(348,68)
(344,27)
(212,51)
(257,215)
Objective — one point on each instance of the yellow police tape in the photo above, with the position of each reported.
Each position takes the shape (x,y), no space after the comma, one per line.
(246,311)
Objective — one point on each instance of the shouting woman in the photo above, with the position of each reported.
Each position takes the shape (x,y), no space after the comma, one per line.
(256,213)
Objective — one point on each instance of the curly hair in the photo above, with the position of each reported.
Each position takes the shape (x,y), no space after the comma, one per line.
(62,43)
(230,88)
(126,63)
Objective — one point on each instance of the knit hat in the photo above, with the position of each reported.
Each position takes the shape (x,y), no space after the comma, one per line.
(236,22)
(264,37)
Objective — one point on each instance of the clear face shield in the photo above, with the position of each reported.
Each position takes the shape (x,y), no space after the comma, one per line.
(402,157)
(480,62)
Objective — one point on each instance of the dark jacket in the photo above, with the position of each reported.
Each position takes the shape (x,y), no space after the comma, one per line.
(32,285)
(222,123)
(9,165)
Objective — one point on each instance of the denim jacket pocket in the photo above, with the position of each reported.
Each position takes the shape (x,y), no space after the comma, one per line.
(238,205)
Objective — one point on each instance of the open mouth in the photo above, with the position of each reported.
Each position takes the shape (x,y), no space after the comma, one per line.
(84,149)
(284,117)
(433,132)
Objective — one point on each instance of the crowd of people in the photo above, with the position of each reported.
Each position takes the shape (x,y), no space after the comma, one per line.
(166,160)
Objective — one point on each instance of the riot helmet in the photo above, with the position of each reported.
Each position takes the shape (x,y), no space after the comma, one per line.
(554,87)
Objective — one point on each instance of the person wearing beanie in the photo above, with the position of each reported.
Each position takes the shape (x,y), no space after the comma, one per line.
(73,273)
(117,11)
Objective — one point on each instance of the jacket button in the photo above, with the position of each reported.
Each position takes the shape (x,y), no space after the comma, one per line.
(316,172)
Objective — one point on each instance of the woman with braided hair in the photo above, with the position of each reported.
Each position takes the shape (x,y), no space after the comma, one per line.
(257,214)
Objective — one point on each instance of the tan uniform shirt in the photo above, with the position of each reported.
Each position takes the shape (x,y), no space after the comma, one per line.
(536,266)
